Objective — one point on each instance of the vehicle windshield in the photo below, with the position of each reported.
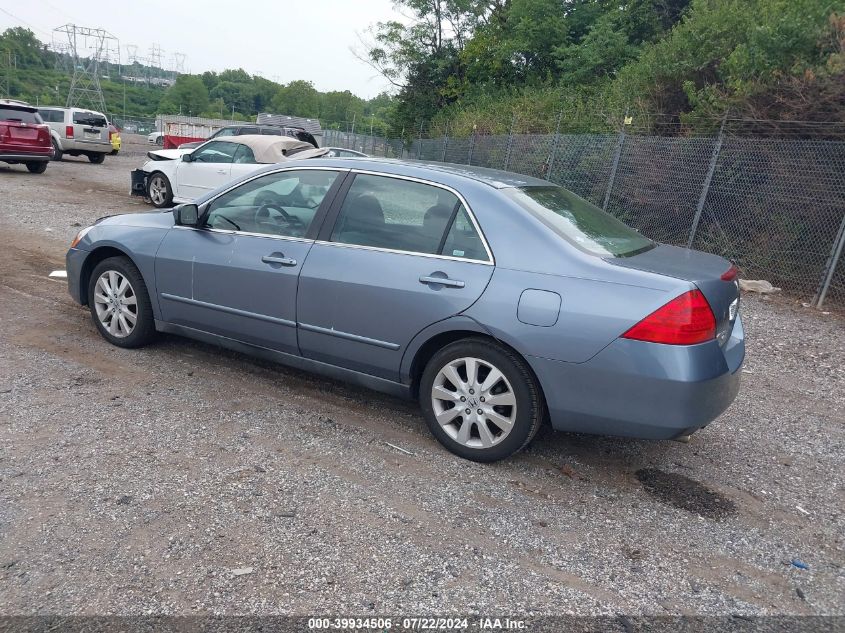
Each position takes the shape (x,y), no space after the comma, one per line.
(580,222)
(14,114)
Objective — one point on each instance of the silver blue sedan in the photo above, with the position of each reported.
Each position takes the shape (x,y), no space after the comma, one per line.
(497,300)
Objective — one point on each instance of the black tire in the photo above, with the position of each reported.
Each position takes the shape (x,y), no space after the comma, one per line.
(160,201)
(160,140)
(96,158)
(37,166)
(144,330)
(113,152)
(530,406)
(57,153)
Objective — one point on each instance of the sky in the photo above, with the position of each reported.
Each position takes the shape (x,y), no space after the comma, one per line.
(281,40)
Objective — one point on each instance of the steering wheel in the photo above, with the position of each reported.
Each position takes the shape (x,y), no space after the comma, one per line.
(263,212)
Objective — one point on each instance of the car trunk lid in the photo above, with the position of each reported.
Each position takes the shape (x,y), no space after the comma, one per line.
(706,271)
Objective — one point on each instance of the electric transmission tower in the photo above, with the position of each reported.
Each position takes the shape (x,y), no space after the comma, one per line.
(8,64)
(155,64)
(87,48)
(177,64)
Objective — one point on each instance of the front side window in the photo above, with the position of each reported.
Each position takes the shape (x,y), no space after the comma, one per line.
(216,152)
(580,222)
(403,215)
(281,204)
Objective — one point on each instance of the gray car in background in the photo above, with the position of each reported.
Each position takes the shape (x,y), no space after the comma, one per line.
(497,300)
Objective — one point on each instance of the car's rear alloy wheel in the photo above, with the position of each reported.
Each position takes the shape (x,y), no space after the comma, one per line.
(480,400)
(159,191)
(119,303)
(473,403)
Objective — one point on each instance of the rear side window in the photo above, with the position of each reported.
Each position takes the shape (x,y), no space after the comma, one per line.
(463,240)
(52,116)
(271,131)
(248,130)
(579,222)
(244,155)
(90,118)
(13,114)
(403,215)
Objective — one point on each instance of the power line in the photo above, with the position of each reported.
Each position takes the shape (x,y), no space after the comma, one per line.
(22,21)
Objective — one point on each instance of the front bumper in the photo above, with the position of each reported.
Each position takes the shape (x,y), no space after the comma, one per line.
(139,182)
(74,261)
(644,390)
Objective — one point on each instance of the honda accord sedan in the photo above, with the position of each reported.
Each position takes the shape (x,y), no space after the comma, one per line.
(496,300)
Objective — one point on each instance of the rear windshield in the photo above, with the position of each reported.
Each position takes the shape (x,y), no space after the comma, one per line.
(13,114)
(580,222)
(89,118)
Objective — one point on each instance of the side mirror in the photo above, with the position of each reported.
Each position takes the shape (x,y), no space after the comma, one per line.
(186,215)
(187,158)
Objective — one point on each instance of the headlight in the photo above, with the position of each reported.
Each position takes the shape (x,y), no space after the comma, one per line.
(79,236)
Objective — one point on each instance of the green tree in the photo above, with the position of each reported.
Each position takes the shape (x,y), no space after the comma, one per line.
(298,98)
(187,95)
(25,49)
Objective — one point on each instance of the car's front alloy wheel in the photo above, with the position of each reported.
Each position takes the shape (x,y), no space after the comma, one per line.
(480,400)
(116,304)
(159,191)
(119,303)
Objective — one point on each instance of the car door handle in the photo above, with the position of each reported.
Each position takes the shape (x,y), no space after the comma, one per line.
(284,261)
(222,171)
(442,281)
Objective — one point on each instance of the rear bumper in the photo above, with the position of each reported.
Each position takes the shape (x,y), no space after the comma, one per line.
(139,182)
(19,157)
(87,147)
(644,390)
(74,261)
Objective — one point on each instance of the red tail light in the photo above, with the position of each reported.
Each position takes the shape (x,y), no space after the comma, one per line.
(730,274)
(685,320)
(69,131)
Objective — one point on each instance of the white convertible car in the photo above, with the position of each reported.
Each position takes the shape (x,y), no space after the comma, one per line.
(183,175)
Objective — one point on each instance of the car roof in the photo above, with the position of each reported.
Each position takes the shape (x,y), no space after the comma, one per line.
(496,178)
(17,105)
(266,148)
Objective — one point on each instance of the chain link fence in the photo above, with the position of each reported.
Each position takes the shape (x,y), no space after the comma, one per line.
(770,198)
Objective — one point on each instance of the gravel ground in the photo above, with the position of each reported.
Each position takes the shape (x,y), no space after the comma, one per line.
(182,479)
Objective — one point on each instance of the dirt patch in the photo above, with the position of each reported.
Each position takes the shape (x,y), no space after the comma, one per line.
(685,493)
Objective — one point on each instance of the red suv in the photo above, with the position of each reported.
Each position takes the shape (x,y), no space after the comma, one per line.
(24,138)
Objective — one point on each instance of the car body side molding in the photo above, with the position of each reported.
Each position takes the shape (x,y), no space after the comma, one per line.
(214,306)
(349,336)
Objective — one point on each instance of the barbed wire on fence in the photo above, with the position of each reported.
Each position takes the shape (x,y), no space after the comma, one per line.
(768,195)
